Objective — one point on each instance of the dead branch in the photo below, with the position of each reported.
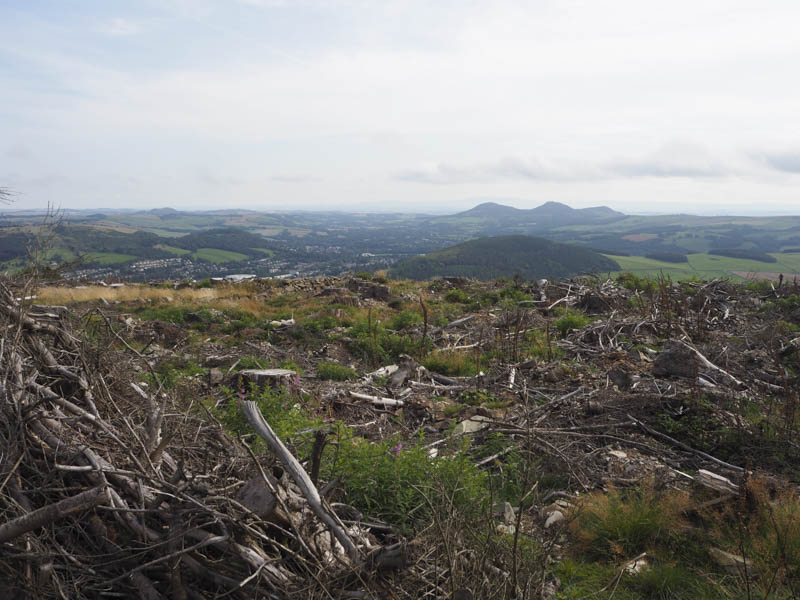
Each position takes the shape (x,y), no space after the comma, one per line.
(299,476)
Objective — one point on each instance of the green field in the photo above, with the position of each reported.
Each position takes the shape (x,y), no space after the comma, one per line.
(218,256)
(266,251)
(107,258)
(708,266)
(172,249)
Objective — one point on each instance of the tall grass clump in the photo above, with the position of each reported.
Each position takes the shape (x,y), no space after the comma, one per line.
(453,364)
(623,524)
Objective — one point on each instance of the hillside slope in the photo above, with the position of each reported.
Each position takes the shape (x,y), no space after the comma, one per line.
(505,256)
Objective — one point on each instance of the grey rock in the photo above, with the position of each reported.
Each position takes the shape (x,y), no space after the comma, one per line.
(255,496)
(370,290)
(676,360)
(555,517)
(215,376)
(505,511)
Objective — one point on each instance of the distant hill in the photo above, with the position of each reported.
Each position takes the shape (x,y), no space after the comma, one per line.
(505,256)
(162,211)
(497,217)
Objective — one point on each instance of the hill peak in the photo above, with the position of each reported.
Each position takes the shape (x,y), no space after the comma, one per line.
(554,204)
(162,211)
(490,209)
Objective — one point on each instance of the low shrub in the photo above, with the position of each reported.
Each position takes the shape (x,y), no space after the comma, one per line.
(377,344)
(282,408)
(404,319)
(399,481)
(476,397)
(335,372)
(570,320)
(457,297)
(634,282)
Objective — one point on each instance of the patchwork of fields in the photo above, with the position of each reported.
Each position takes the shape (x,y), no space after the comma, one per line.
(708,266)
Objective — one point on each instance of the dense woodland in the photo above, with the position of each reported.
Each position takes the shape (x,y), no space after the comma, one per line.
(490,258)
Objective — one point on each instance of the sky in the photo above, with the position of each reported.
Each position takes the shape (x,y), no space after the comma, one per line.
(686,106)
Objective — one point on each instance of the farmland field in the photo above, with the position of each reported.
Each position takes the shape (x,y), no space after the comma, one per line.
(172,249)
(218,256)
(707,266)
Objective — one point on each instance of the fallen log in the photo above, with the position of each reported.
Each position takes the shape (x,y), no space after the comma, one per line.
(686,447)
(51,512)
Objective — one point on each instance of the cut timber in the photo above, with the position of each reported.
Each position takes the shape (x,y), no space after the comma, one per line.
(267,377)
(377,399)
(716,482)
(457,322)
(300,477)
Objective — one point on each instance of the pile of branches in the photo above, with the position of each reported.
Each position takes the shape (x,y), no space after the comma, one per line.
(109,488)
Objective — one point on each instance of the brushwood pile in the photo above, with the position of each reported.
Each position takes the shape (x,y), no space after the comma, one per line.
(358,437)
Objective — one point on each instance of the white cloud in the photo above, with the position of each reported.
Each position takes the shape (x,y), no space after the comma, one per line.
(509,168)
(120,26)
(511,98)
(674,159)
(783,161)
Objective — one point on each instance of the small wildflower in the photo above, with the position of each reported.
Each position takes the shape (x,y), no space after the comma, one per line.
(397,450)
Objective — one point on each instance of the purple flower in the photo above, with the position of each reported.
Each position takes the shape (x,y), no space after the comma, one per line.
(397,450)
(242,395)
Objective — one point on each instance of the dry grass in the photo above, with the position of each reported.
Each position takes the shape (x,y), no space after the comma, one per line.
(235,297)
(66,295)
